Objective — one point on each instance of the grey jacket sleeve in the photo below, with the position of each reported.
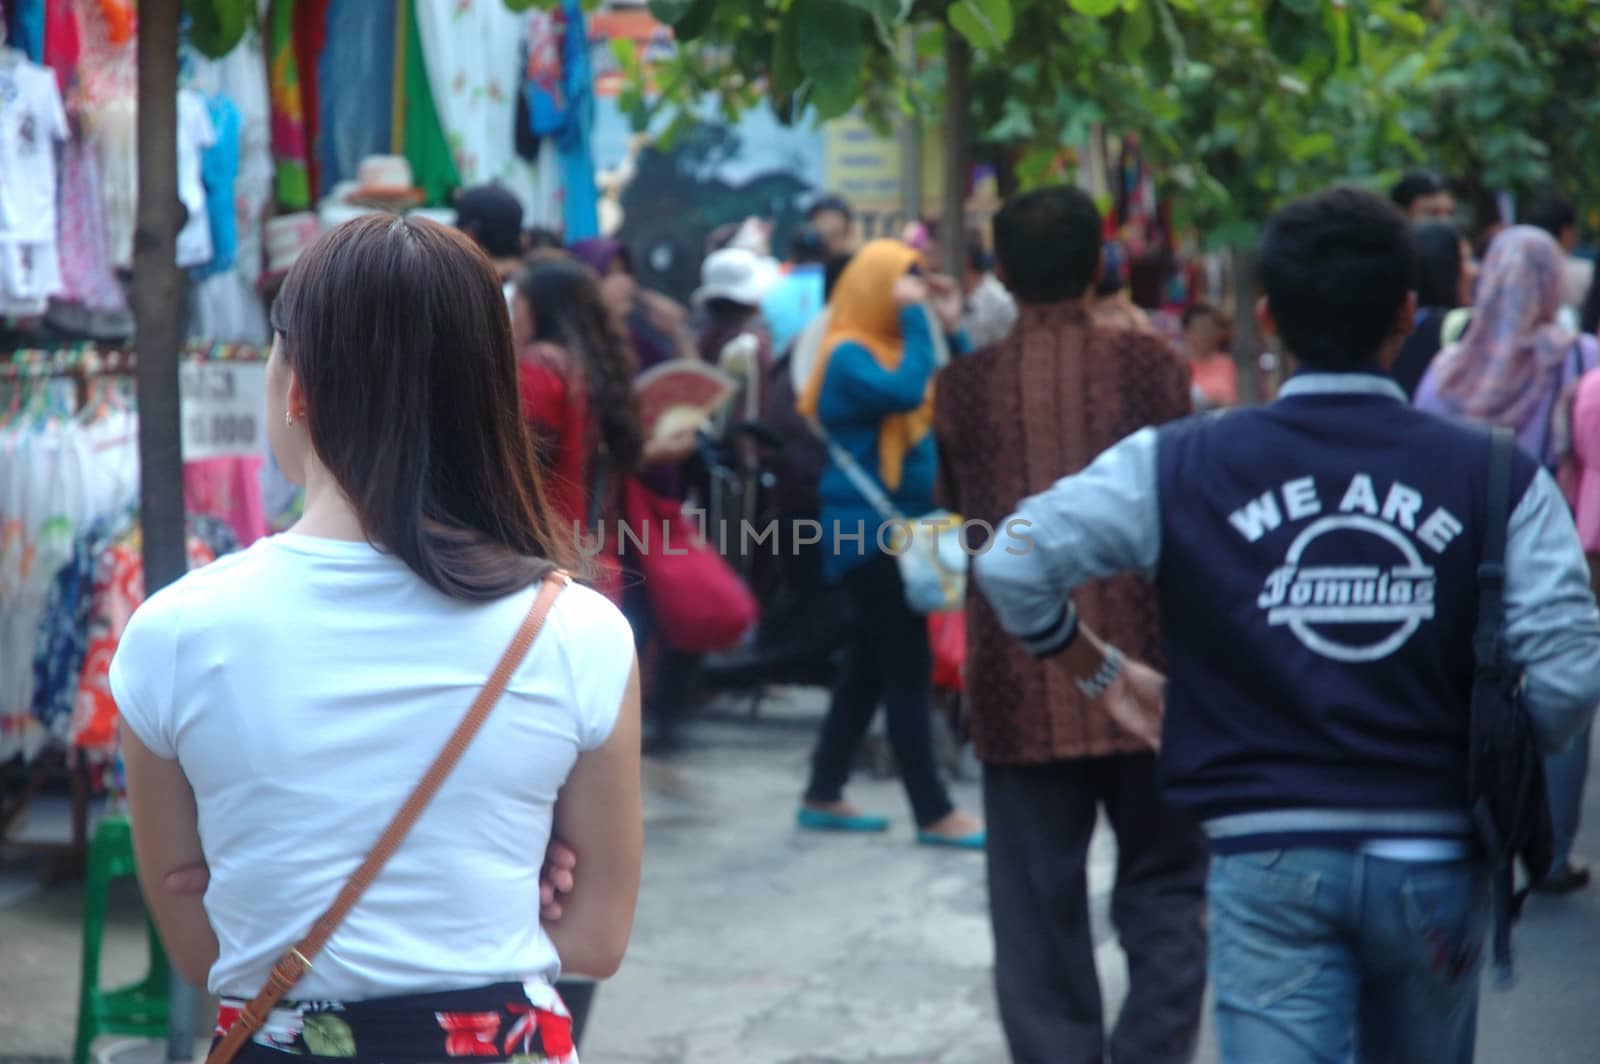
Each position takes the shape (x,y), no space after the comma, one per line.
(1552,626)
(1103,521)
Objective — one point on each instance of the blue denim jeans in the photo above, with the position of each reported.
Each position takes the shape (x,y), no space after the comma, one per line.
(1565,776)
(1316,954)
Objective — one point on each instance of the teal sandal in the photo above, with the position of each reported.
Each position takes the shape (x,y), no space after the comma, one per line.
(822,820)
(978,840)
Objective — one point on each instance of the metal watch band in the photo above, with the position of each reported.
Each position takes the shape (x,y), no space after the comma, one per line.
(1105,676)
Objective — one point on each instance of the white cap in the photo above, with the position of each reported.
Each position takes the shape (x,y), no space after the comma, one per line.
(737,275)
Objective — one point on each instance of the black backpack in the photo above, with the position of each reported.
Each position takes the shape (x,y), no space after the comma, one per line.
(1506,784)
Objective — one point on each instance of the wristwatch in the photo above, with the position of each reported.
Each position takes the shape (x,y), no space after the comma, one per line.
(1098,684)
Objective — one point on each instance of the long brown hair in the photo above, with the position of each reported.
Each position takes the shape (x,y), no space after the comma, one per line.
(397,330)
(569,312)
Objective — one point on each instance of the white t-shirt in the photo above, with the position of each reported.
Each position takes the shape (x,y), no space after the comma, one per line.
(195,135)
(305,685)
(31,122)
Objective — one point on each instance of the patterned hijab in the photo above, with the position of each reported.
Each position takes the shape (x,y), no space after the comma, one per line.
(863,311)
(1503,369)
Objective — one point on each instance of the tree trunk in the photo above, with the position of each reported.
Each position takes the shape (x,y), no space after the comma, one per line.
(158,317)
(158,296)
(953,224)
(1247,343)
(910,137)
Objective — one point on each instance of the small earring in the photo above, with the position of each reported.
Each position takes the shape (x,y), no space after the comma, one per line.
(288,419)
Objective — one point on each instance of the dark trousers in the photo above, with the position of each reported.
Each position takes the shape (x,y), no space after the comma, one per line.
(1040,819)
(669,675)
(889,661)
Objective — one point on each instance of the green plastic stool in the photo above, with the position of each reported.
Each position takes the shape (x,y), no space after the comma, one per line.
(141,1008)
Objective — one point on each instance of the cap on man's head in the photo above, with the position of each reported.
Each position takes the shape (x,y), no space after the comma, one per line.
(492,216)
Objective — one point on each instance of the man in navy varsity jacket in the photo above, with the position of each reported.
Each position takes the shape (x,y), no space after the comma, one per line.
(1315,563)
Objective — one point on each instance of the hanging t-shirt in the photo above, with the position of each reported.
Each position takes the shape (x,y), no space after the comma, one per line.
(195,135)
(31,121)
(219,169)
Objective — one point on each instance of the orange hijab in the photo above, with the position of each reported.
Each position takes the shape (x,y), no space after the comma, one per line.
(863,311)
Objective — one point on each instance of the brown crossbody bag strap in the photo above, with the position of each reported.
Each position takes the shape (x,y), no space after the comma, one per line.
(297,962)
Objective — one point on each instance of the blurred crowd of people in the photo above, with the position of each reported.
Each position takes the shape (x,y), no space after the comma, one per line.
(898,390)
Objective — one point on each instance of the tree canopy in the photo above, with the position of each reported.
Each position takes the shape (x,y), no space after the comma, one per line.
(1239,103)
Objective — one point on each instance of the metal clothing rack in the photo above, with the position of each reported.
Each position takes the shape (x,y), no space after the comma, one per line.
(83,364)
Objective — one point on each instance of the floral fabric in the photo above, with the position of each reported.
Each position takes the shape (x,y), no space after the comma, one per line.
(118,591)
(506,1021)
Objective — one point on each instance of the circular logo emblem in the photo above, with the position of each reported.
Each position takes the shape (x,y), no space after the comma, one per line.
(1350,612)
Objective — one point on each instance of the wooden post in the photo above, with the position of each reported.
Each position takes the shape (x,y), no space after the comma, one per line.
(953,224)
(158,296)
(158,305)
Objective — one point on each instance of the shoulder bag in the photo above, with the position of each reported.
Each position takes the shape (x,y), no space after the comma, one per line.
(1505,773)
(928,548)
(297,962)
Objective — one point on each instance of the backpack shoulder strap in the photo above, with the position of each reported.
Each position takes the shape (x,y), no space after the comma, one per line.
(1492,562)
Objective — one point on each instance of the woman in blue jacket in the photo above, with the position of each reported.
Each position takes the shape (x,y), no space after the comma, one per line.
(871,390)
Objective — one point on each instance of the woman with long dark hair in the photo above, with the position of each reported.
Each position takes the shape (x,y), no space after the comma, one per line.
(576,372)
(280,707)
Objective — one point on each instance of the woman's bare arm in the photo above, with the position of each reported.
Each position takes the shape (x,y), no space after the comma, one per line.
(166,839)
(599,815)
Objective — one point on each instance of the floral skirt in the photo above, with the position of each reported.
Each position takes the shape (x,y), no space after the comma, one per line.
(527,1023)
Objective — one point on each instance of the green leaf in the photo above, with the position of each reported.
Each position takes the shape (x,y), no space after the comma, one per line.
(1138,30)
(695,21)
(1016,125)
(828,42)
(1288,34)
(670,11)
(786,72)
(986,24)
(887,11)
(1304,8)
(626,55)
(834,99)
(1309,147)
(1095,8)
(326,1035)
(217,26)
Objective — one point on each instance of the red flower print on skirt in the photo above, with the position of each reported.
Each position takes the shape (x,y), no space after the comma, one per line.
(470,1034)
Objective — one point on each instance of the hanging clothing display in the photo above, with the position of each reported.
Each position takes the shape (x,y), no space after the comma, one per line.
(580,198)
(118,591)
(32,122)
(288,110)
(195,135)
(108,87)
(25,21)
(420,136)
(227,305)
(86,274)
(219,169)
(230,490)
(355,89)
(61,46)
(310,38)
(59,473)
(70,561)
(473,50)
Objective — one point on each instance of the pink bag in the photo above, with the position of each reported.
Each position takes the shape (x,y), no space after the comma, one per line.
(699,603)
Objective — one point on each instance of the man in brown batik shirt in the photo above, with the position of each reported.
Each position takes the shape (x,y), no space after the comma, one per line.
(1010,421)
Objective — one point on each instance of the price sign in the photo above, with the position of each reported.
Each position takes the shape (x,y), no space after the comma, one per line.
(224,408)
